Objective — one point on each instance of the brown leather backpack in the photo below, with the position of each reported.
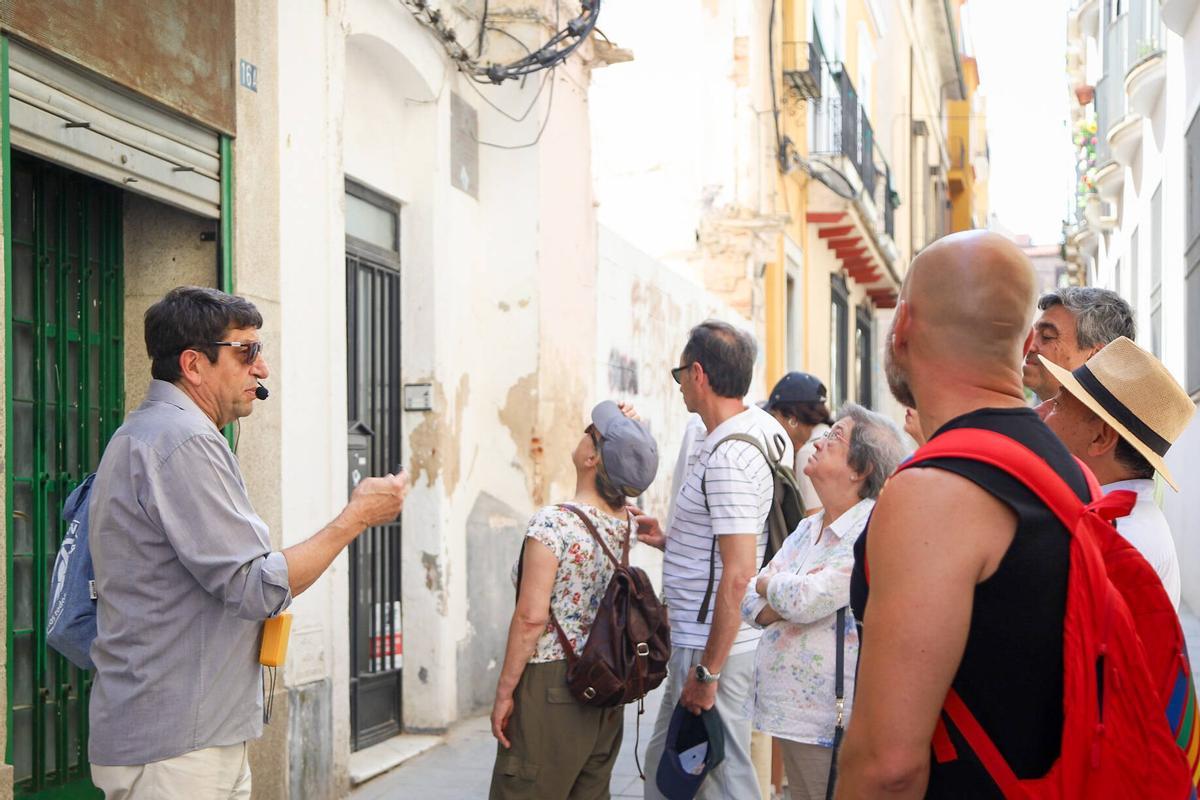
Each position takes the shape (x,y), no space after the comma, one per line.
(626,653)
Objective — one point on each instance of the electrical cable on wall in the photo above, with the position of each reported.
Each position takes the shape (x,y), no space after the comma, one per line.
(554,52)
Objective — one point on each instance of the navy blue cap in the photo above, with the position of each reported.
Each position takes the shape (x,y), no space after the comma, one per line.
(695,746)
(797,387)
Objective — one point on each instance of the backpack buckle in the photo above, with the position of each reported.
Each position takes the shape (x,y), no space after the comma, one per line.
(643,649)
(589,693)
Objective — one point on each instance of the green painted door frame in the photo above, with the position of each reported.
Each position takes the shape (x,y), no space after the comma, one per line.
(64,379)
(225,244)
(71,399)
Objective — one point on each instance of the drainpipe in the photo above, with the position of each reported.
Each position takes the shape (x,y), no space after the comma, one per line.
(962,87)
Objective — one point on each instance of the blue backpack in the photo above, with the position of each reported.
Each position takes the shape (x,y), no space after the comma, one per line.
(71,626)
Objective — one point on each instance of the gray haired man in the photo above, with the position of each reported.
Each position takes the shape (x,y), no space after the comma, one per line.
(712,547)
(1076,323)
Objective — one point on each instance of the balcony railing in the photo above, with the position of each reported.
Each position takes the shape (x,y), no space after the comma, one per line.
(803,67)
(1110,89)
(839,126)
(1145,34)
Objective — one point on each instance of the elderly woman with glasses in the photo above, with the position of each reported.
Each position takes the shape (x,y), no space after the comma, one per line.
(797,596)
(550,745)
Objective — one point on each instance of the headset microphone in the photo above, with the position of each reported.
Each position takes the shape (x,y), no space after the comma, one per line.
(261,392)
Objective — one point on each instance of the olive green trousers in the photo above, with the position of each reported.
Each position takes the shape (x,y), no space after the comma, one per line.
(561,749)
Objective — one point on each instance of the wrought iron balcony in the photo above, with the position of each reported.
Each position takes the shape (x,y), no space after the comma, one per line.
(840,127)
(803,67)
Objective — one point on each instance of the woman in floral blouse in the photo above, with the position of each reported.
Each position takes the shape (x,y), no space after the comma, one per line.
(549,745)
(797,595)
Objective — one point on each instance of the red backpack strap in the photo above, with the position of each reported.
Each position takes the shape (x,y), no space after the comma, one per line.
(1032,471)
(983,747)
(1011,457)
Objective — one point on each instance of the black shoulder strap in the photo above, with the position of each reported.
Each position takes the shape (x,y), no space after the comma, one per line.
(712,553)
(839,690)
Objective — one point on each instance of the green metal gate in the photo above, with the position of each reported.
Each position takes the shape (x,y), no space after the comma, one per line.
(65,366)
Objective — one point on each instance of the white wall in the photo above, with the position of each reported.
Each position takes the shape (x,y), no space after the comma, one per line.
(645,310)
(1162,161)
(1182,97)
(668,131)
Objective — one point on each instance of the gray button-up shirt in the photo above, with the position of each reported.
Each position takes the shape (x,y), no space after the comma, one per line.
(185,576)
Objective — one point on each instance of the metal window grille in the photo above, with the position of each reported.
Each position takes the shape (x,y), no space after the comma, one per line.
(374,403)
(67,397)
(864,356)
(839,340)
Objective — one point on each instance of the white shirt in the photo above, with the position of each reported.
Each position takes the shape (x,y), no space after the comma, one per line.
(740,489)
(794,680)
(807,492)
(1146,529)
(694,435)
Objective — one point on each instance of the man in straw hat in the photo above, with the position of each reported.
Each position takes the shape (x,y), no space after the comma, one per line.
(1118,413)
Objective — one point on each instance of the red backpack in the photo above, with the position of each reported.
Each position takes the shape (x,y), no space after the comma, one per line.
(1130,721)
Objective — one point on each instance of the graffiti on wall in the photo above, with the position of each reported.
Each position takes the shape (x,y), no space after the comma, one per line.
(622,373)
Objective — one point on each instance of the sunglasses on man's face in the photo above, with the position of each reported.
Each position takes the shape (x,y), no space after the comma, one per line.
(250,350)
(677,372)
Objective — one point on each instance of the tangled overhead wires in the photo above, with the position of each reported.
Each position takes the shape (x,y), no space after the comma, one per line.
(554,52)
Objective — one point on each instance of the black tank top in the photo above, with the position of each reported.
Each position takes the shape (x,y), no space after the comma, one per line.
(1011,671)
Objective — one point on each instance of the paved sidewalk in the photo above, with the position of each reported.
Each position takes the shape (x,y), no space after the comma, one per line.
(461,769)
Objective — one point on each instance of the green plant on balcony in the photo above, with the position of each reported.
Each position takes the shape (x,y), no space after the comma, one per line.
(1147,47)
(1085,138)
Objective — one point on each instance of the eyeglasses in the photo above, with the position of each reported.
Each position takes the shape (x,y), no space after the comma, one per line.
(250,350)
(677,372)
(833,435)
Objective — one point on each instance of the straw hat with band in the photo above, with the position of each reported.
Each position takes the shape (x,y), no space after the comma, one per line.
(1135,394)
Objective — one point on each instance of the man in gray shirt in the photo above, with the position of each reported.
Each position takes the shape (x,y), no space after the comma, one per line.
(185,574)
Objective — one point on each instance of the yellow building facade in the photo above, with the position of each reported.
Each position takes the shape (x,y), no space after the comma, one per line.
(874,100)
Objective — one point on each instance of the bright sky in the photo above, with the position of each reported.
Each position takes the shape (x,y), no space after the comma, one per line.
(1021,49)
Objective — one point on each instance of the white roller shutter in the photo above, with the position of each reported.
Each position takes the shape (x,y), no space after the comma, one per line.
(63,115)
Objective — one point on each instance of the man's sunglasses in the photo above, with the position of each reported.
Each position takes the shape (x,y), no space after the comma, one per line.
(250,350)
(677,372)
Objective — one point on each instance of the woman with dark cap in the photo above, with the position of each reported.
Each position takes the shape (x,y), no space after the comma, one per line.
(798,402)
(550,745)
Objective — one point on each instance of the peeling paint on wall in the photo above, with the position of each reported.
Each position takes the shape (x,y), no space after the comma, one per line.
(494,534)
(545,416)
(434,444)
(519,415)
(435,580)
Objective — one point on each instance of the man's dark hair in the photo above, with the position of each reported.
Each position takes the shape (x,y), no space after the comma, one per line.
(805,413)
(1133,461)
(1101,315)
(727,355)
(188,318)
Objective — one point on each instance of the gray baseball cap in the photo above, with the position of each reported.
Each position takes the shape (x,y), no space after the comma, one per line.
(627,449)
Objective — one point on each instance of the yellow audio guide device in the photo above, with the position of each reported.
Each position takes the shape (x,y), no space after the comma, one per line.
(275,640)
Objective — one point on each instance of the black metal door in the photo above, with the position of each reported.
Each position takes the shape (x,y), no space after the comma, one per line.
(373,359)
(66,390)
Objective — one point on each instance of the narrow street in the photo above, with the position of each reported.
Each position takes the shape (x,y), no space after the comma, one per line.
(462,767)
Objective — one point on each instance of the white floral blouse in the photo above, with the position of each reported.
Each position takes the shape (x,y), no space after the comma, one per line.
(794,666)
(583,572)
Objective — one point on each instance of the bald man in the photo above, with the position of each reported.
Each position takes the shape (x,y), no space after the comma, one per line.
(977,604)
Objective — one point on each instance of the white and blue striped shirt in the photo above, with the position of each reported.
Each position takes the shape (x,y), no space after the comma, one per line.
(739,486)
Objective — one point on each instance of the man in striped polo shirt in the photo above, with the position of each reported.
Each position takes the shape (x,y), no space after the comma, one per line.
(720,538)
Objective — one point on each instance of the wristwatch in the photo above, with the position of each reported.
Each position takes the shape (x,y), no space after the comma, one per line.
(704,676)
